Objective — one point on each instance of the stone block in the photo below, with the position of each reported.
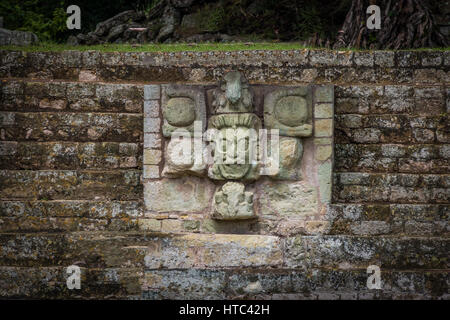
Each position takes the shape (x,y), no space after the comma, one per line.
(323,110)
(325,181)
(384,58)
(195,250)
(184,284)
(152,156)
(7,118)
(150,225)
(188,194)
(323,128)
(323,152)
(371,228)
(364,59)
(8,148)
(151,172)
(431,59)
(152,141)
(281,198)
(151,108)
(324,94)
(171,225)
(152,125)
(182,106)
(152,92)
(321,141)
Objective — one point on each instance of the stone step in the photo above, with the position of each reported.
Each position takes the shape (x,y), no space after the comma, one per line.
(134,283)
(185,251)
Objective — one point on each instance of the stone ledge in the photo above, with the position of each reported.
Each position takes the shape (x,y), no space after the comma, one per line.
(153,250)
(267,66)
(301,57)
(134,283)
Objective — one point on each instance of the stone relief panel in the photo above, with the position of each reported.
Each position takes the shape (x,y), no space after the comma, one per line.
(289,110)
(181,106)
(232,95)
(232,202)
(236,155)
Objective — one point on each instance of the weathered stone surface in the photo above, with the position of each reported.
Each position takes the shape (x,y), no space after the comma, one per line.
(325,181)
(324,94)
(323,152)
(51,283)
(152,125)
(70,185)
(323,128)
(71,208)
(215,250)
(151,108)
(188,194)
(323,110)
(151,172)
(181,106)
(281,199)
(152,156)
(152,141)
(290,155)
(71,161)
(58,126)
(184,155)
(186,285)
(233,94)
(353,252)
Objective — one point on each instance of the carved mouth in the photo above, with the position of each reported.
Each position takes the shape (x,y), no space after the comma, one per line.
(234,171)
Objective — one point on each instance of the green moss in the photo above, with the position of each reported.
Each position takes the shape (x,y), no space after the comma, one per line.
(179,47)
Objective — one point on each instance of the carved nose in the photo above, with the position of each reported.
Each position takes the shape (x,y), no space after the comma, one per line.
(233,93)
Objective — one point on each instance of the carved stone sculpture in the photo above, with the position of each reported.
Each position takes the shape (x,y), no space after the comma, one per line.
(233,95)
(231,202)
(290,111)
(241,153)
(236,133)
(181,106)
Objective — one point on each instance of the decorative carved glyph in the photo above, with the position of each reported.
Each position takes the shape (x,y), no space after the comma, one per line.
(290,111)
(181,107)
(232,202)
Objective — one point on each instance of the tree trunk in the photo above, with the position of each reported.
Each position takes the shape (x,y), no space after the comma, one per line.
(405,24)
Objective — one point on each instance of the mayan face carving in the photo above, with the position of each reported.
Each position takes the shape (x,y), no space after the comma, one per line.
(241,156)
(235,152)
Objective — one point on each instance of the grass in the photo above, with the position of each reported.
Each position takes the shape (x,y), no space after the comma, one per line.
(175,47)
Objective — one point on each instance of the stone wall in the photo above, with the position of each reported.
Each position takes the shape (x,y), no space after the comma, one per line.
(71,181)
